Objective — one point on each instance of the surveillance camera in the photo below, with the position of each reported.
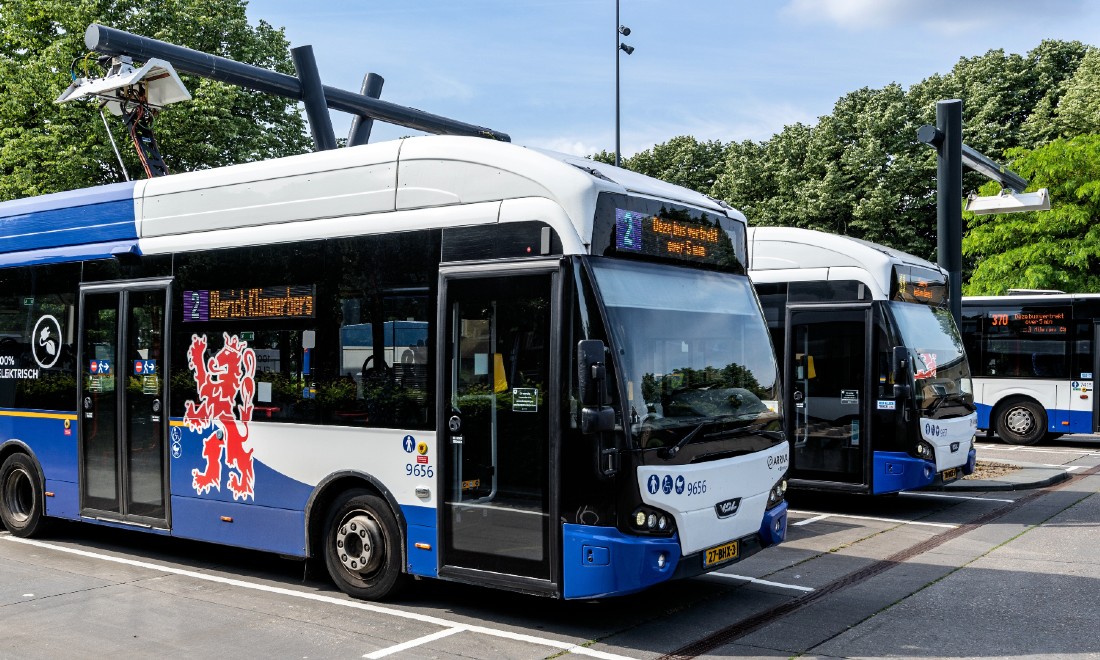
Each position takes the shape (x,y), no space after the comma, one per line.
(624,30)
(627,49)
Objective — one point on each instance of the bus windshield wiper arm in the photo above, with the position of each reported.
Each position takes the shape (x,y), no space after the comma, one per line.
(746,430)
(959,396)
(670,452)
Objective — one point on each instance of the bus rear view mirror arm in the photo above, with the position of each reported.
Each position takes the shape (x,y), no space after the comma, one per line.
(592,372)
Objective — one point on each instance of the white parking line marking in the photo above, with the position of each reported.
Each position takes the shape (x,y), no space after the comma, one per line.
(745,578)
(958,497)
(1041,450)
(889,520)
(810,520)
(568,647)
(413,643)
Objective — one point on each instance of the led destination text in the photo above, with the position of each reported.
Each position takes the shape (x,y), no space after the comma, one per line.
(273,302)
(696,238)
(1035,323)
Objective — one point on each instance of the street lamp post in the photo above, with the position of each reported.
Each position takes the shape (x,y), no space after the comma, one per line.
(619,47)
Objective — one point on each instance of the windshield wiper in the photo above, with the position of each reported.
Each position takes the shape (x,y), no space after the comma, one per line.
(670,452)
(747,430)
(956,396)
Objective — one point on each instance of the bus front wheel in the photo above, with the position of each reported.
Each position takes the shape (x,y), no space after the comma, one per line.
(363,546)
(1021,422)
(21,501)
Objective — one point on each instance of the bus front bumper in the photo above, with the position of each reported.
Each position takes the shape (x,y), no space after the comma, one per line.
(602,561)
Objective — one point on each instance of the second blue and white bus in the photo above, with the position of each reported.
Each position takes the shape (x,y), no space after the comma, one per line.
(1034,361)
(437,357)
(876,378)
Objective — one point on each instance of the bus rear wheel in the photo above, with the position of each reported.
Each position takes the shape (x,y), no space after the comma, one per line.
(1021,422)
(362,546)
(21,502)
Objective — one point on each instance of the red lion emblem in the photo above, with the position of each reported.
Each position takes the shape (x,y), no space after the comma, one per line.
(226,384)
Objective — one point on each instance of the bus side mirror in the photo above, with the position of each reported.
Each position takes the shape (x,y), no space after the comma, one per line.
(899,373)
(595,415)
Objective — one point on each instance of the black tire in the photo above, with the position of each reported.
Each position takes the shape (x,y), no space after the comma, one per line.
(1021,422)
(362,546)
(22,506)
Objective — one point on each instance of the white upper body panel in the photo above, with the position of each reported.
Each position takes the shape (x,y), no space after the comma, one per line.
(788,254)
(388,186)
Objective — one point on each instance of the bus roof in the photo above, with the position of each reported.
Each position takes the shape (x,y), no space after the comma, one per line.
(784,254)
(1016,299)
(334,192)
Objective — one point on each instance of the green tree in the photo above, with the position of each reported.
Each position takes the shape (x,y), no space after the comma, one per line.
(860,170)
(1055,249)
(45,147)
(683,161)
(1078,113)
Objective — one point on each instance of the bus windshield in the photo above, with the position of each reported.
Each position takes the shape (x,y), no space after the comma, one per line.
(695,352)
(941,374)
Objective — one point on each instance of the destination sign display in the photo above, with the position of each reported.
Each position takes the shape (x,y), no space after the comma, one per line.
(269,302)
(684,238)
(919,285)
(1045,322)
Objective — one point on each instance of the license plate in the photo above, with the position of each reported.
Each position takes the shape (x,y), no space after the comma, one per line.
(951,475)
(720,554)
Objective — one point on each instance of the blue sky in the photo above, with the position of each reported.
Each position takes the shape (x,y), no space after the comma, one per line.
(543,71)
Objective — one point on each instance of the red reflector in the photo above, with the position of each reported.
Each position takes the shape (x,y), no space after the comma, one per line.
(422,459)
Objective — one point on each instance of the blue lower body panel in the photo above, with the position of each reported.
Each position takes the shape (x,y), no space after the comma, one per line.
(897,471)
(64,502)
(983,415)
(774,527)
(602,561)
(249,525)
(421,529)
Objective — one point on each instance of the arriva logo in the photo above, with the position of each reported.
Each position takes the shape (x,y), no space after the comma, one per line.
(777,461)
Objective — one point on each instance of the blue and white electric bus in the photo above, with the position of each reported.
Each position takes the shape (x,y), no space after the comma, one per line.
(440,357)
(877,385)
(1034,361)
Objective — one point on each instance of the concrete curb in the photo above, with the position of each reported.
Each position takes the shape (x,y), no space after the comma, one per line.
(1027,476)
(1053,476)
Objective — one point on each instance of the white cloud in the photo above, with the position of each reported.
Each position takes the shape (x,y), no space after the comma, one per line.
(949,17)
(568,145)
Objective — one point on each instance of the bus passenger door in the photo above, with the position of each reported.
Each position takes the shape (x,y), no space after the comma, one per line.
(123,460)
(827,393)
(498,415)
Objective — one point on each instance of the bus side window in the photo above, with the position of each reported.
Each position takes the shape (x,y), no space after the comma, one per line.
(385,307)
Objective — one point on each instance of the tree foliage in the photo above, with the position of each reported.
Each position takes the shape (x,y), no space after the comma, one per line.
(1055,249)
(45,147)
(860,170)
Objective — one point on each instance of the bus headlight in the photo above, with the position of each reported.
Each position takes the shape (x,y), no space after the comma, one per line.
(926,451)
(777,492)
(649,520)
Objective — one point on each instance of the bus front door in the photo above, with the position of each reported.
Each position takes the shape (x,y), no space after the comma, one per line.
(827,385)
(122,388)
(497,419)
